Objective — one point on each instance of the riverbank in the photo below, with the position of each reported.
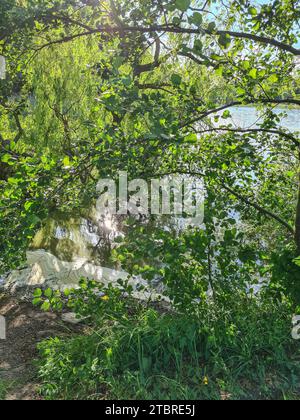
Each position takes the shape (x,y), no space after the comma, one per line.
(133,351)
(26,327)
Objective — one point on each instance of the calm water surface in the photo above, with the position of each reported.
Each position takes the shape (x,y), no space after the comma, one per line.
(245,117)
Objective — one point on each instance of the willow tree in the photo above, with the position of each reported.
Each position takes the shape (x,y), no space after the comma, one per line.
(161,78)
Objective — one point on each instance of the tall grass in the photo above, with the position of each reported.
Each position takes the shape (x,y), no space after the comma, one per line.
(245,352)
(3,390)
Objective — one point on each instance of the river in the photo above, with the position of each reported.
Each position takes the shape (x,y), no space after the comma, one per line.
(245,117)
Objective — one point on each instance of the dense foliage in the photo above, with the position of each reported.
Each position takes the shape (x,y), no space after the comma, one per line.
(97,87)
(138,352)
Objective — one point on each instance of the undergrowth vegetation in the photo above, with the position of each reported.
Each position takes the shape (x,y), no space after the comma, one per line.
(3,390)
(134,350)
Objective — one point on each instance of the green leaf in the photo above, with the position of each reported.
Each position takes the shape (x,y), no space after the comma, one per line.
(224,40)
(240,91)
(273,78)
(253,73)
(246,64)
(6,158)
(197,19)
(109,353)
(127,81)
(191,138)
(211,27)
(38,25)
(219,71)
(13,181)
(46,306)
(48,293)
(38,293)
(28,205)
(183,5)
(176,79)
(253,11)
(226,114)
(37,301)
(297,261)
(67,292)
(176,21)
(257,26)
(66,161)
(198,46)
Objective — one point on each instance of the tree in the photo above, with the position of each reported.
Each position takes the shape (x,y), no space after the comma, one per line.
(162,77)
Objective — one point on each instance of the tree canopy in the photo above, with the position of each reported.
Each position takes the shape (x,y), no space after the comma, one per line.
(93,87)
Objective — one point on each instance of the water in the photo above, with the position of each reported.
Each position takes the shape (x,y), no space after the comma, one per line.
(85,236)
(246,117)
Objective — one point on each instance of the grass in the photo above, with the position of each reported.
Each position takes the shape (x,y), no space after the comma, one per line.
(245,352)
(3,390)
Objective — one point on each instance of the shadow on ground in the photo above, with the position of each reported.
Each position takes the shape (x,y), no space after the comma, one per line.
(26,327)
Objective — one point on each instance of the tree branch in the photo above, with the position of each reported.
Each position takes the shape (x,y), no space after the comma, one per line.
(19,126)
(206,61)
(143,68)
(253,130)
(259,208)
(169,29)
(153,86)
(238,103)
(242,198)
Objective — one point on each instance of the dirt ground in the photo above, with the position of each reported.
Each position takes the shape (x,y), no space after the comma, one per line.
(26,327)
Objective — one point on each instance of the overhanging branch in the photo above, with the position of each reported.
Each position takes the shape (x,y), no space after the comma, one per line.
(106,29)
(209,112)
(239,196)
(259,208)
(253,130)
